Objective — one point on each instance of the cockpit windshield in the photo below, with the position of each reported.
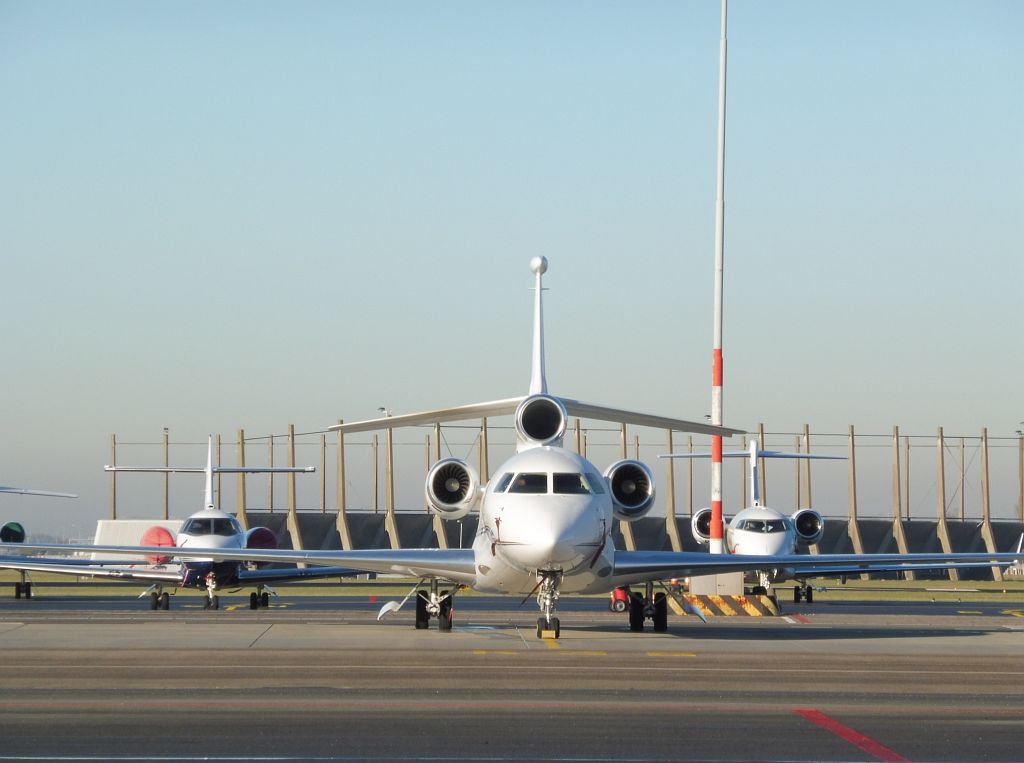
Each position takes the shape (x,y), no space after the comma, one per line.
(211,526)
(763,525)
(526,482)
(573,483)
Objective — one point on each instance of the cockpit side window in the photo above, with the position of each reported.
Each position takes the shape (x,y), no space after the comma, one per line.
(527,482)
(223,527)
(196,527)
(575,484)
(503,483)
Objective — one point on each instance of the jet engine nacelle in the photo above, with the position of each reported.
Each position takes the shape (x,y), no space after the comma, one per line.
(632,489)
(12,532)
(158,536)
(260,537)
(810,526)
(541,420)
(453,488)
(700,526)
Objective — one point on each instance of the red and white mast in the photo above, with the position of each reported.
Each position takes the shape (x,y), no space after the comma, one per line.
(716,373)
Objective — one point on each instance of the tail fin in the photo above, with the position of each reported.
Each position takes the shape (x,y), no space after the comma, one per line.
(538,380)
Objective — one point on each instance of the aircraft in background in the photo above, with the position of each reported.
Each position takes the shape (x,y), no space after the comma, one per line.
(14,532)
(546,519)
(210,528)
(761,530)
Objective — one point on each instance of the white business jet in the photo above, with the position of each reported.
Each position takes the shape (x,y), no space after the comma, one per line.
(207,529)
(14,532)
(761,530)
(546,519)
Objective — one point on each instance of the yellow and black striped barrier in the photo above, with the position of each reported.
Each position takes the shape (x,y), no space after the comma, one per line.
(726,606)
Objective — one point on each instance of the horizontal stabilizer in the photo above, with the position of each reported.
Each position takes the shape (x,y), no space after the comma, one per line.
(508,406)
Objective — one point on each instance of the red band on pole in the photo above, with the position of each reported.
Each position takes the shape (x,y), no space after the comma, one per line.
(716,368)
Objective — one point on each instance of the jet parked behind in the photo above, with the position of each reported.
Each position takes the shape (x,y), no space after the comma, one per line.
(207,529)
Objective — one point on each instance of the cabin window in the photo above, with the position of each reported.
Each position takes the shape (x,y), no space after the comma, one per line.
(574,484)
(526,482)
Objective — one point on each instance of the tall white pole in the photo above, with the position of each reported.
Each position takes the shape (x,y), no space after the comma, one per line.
(717,364)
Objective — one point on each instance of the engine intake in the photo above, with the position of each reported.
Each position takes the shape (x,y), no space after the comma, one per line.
(541,420)
(810,526)
(453,488)
(632,488)
(700,526)
(12,532)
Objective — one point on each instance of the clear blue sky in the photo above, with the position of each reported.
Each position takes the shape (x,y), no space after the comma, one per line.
(245,214)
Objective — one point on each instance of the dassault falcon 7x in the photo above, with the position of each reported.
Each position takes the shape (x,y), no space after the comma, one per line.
(207,530)
(546,519)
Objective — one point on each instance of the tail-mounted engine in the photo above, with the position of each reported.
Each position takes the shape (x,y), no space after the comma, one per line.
(453,488)
(632,488)
(810,526)
(261,537)
(700,526)
(541,420)
(158,536)
(12,532)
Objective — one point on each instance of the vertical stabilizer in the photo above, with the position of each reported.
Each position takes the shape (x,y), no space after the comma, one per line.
(209,473)
(754,481)
(538,380)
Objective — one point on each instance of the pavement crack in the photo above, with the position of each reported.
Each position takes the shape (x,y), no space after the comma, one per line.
(262,634)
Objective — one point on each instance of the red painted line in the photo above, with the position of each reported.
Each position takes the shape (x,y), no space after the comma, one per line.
(373,599)
(867,744)
(800,619)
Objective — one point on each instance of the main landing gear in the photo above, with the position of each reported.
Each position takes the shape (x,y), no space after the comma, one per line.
(547,599)
(435,604)
(159,598)
(648,606)
(803,591)
(259,598)
(24,588)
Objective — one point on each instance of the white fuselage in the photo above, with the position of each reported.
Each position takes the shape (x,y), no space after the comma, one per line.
(546,509)
(210,528)
(761,531)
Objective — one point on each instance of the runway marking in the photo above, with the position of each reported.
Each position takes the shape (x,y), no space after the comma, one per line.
(866,743)
(671,654)
(1013,612)
(551,643)
(496,651)
(796,619)
(969,612)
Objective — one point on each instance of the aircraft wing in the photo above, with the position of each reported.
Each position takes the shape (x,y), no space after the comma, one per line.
(457,565)
(640,566)
(508,406)
(279,574)
(152,574)
(26,491)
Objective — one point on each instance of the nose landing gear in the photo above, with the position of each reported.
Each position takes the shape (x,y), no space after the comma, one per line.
(648,606)
(548,626)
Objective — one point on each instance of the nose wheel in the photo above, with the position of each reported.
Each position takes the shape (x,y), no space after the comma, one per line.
(648,606)
(435,603)
(548,625)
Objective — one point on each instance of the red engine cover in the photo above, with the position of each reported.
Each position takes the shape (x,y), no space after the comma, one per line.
(260,537)
(158,536)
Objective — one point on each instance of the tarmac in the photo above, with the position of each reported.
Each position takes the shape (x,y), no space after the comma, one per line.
(318,678)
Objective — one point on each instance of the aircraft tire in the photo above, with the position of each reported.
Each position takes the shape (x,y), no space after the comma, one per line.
(17,590)
(636,613)
(541,627)
(446,615)
(165,601)
(660,613)
(28,590)
(422,618)
(154,600)
(796,594)
(556,626)
(809,595)
(264,599)
(254,600)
